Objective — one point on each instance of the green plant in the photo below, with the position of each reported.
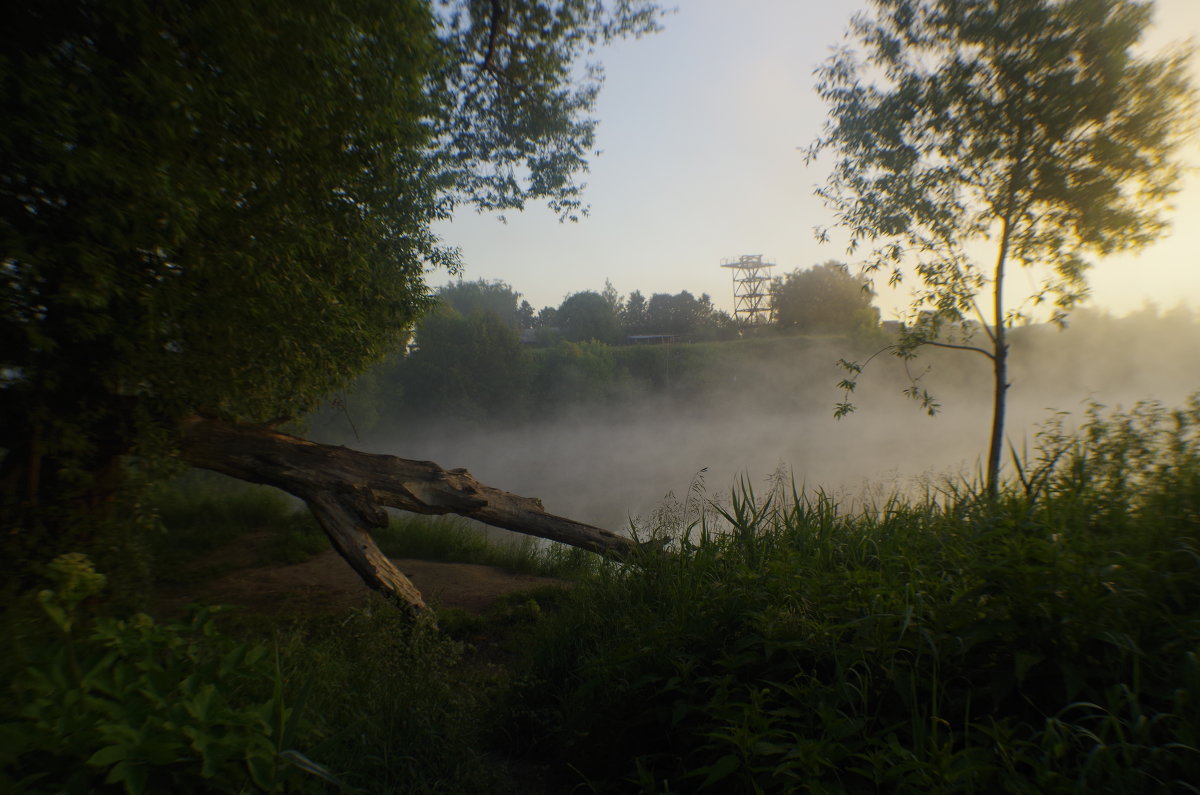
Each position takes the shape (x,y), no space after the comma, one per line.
(451,538)
(1043,641)
(142,706)
(396,709)
(295,540)
(1038,126)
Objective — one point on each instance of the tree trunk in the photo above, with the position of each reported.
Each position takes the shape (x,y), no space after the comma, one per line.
(999,406)
(999,365)
(347,491)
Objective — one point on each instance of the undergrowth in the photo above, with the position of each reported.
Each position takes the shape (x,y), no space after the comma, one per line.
(203,512)
(1044,642)
(450,538)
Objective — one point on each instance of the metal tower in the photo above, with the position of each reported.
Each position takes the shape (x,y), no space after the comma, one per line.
(750,294)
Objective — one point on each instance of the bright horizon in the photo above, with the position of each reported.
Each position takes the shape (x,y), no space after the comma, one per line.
(701,132)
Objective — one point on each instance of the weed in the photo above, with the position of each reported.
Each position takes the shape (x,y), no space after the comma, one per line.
(1041,642)
(451,538)
(142,706)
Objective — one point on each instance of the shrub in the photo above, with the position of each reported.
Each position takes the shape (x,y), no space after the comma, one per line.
(104,703)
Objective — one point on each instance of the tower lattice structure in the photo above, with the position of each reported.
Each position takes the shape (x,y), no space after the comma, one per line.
(751,293)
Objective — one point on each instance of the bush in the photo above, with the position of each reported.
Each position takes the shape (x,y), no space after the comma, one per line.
(94,705)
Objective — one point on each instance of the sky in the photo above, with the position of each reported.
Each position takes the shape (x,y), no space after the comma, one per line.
(702,128)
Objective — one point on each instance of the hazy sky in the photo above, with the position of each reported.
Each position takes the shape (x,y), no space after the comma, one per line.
(700,127)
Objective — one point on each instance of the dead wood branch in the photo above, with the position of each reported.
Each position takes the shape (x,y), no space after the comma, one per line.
(347,491)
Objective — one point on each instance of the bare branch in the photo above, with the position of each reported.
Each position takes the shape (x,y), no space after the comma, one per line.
(347,491)
(952,346)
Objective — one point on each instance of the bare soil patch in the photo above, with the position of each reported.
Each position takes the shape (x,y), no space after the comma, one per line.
(327,584)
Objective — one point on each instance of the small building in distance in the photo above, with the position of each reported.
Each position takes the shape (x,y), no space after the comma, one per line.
(652,339)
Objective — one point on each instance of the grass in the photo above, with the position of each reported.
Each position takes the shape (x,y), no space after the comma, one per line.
(203,512)
(393,706)
(451,538)
(1044,642)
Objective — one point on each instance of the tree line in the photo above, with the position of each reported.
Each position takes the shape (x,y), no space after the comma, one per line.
(823,299)
(473,370)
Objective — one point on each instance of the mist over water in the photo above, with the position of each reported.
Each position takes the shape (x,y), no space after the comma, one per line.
(759,418)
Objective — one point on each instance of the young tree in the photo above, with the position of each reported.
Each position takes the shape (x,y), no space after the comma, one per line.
(1030,125)
(219,212)
(823,298)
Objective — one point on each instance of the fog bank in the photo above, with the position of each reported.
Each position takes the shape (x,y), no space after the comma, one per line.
(605,464)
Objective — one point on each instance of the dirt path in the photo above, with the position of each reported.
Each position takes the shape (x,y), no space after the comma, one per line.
(326,583)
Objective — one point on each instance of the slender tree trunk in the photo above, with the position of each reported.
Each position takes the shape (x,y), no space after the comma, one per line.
(999,369)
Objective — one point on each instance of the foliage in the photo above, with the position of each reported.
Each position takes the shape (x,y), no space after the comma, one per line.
(455,539)
(684,314)
(588,317)
(395,709)
(516,87)
(142,706)
(176,176)
(533,383)
(201,512)
(633,313)
(1031,123)
(497,298)
(187,189)
(469,367)
(1042,642)
(822,299)
(572,374)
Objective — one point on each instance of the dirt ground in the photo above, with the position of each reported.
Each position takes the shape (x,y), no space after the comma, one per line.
(326,583)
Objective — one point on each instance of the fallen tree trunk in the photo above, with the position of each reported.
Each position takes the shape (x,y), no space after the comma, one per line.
(347,491)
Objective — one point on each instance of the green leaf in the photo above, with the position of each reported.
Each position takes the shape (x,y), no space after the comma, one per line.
(302,762)
(108,755)
(720,770)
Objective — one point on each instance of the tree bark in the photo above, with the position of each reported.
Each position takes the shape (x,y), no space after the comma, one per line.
(999,363)
(347,491)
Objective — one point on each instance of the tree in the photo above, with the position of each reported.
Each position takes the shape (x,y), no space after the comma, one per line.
(467,368)
(525,315)
(496,298)
(672,314)
(682,314)
(612,297)
(547,317)
(588,316)
(1031,125)
(633,314)
(223,210)
(823,298)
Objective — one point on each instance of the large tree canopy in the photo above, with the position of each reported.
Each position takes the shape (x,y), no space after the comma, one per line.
(1033,124)
(219,206)
(587,316)
(823,298)
(224,208)
(496,298)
